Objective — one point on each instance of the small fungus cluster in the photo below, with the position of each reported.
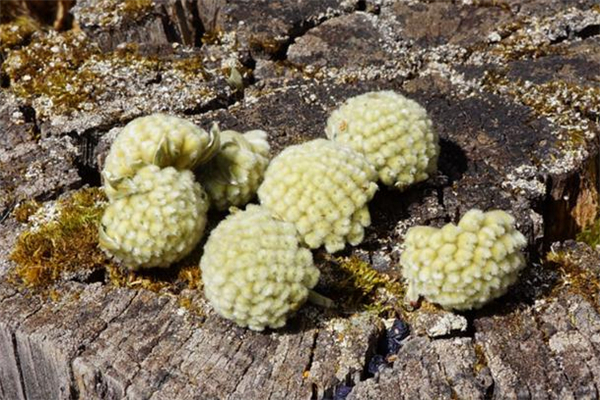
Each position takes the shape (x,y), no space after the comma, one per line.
(255,272)
(463,266)
(322,188)
(157,211)
(392,131)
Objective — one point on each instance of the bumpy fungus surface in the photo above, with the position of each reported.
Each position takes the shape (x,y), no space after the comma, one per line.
(232,177)
(157,139)
(159,222)
(392,131)
(254,271)
(322,187)
(463,267)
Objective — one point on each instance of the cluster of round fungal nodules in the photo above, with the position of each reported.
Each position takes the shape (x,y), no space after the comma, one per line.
(232,177)
(323,188)
(254,271)
(159,222)
(464,266)
(392,131)
(157,212)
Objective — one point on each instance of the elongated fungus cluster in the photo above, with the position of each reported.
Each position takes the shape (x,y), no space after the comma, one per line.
(463,266)
(158,139)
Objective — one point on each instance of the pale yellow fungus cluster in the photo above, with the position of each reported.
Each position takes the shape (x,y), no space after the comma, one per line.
(392,131)
(323,188)
(158,139)
(254,271)
(159,222)
(232,177)
(463,266)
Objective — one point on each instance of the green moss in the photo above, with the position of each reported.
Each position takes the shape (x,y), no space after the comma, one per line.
(16,33)
(590,235)
(62,71)
(68,242)
(65,244)
(573,276)
(50,66)
(134,9)
(481,362)
(25,210)
(358,286)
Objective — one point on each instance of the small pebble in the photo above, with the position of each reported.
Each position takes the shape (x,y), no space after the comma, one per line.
(395,335)
(342,392)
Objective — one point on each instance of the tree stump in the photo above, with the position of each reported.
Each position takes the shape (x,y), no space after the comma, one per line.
(513,89)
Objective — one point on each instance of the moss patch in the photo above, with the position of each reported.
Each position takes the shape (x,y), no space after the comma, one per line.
(355,285)
(62,239)
(65,72)
(16,33)
(574,277)
(66,243)
(49,67)
(23,211)
(590,235)
(106,13)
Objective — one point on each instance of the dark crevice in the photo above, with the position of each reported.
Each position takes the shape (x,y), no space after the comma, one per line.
(294,33)
(87,166)
(588,32)
(198,26)
(311,356)
(217,104)
(18,362)
(585,33)
(169,28)
(300,29)
(186,34)
(489,391)
(4,79)
(96,276)
(30,117)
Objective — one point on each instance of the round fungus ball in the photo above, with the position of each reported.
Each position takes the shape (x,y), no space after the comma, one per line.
(159,222)
(392,131)
(463,267)
(156,139)
(323,188)
(233,175)
(254,271)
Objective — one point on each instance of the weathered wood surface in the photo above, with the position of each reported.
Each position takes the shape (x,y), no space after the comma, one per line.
(513,90)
